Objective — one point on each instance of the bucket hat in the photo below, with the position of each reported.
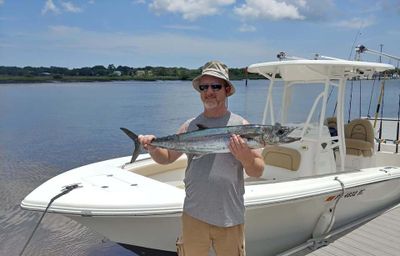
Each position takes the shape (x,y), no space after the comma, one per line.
(215,69)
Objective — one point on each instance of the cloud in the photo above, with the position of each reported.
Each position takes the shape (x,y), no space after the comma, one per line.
(1,2)
(182,27)
(269,9)
(190,10)
(247,28)
(64,30)
(355,23)
(312,10)
(316,10)
(70,7)
(49,6)
(166,49)
(66,6)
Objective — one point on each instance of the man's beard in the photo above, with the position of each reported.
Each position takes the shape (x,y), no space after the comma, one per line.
(213,103)
(210,104)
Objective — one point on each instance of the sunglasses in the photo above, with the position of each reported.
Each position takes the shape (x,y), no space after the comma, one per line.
(214,87)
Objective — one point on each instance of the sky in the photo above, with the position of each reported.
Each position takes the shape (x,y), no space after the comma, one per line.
(188,33)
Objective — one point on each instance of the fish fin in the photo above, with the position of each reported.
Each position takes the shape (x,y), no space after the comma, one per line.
(201,126)
(198,156)
(135,139)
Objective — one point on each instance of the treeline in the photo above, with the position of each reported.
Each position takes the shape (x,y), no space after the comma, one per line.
(101,73)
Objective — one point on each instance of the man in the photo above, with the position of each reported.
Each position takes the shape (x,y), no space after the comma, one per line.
(213,211)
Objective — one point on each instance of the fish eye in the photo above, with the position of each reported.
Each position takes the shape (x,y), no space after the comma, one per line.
(280,132)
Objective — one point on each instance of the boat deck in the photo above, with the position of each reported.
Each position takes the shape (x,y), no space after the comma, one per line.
(379,237)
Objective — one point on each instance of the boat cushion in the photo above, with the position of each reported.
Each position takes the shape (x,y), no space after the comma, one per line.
(358,147)
(359,136)
(283,157)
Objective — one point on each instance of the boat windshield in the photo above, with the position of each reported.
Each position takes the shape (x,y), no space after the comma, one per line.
(304,97)
(296,103)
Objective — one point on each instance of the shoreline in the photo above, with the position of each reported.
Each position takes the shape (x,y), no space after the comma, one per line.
(4,79)
(72,79)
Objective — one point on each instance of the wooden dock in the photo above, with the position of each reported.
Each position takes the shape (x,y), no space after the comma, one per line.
(379,237)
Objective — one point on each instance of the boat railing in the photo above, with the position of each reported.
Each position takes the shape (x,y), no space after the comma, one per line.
(390,137)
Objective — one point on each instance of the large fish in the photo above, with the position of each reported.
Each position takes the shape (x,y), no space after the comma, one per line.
(216,140)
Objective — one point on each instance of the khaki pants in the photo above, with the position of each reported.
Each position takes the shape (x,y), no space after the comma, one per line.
(198,237)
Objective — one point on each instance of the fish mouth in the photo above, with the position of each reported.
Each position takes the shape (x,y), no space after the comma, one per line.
(288,135)
(290,139)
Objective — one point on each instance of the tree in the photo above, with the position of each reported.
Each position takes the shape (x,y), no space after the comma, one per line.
(99,70)
(111,67)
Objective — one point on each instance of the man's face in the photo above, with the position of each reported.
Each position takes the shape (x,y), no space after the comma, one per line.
(212,97)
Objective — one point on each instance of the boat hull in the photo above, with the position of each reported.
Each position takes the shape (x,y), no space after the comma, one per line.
(155,232)
(270,229)
(286,217)
(273,229)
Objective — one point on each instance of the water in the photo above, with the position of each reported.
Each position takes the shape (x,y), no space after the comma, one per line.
(46,129)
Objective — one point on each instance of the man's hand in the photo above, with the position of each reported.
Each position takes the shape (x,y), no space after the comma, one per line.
(251,159)
(145,140)
(240,150)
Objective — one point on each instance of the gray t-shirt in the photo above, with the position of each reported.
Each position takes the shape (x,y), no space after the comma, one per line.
(214,183)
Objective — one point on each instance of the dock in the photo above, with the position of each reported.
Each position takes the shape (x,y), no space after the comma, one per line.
(378,237)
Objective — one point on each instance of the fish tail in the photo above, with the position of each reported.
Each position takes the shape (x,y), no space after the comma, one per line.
(135,139)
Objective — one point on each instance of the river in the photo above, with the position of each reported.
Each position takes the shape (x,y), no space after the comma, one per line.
(46,129)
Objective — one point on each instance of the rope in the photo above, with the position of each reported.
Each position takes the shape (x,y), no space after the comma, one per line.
(337,199)
(65,191)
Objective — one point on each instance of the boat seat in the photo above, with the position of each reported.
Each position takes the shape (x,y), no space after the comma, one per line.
(359,138)
(331,123)
(283,157)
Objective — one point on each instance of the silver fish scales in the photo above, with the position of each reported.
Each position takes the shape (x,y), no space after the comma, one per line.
(216,140)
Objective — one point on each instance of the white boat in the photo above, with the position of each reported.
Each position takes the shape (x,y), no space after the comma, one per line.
(311,190)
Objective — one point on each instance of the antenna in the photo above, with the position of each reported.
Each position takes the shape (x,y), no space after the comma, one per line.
(355,41)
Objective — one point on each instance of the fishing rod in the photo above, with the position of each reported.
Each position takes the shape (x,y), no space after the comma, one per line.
(370,100)
(398,127)
(379,102)
(359,114)
(246,75)
(355,40)
(351,99)
(361,49)
(381,123)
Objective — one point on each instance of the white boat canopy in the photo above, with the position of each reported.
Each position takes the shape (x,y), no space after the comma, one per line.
(317,70)
(329,72)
